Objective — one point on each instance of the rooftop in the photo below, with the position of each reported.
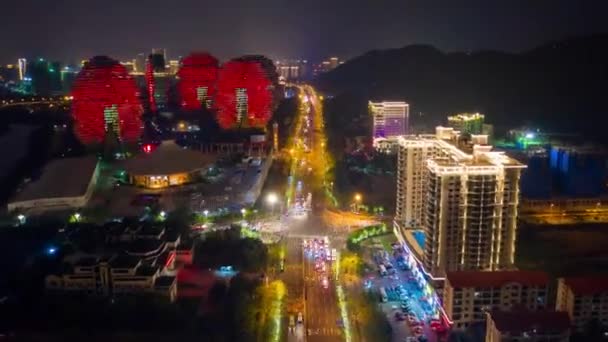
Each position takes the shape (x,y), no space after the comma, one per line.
(466,117)
(537,322)
(479,279)
(67,177)
(148,229)
(144,246)
(147,271)
(168,158)
(587,285)
(164,281)
(457,152)
(124,261)
(86,262)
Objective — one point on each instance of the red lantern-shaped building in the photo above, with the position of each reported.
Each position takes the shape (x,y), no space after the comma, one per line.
(244,95)
(105,97)
(197,79)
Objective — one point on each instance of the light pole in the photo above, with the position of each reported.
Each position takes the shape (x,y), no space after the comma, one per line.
(358,198)
(272,199)
(21,218)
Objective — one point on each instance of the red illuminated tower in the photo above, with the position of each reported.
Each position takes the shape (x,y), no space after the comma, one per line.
(244,95)
(197,80)
(105,97)
(150,84)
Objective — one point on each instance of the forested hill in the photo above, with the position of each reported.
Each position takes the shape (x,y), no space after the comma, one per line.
(562,85)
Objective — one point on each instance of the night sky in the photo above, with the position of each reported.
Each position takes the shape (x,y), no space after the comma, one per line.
(70,30)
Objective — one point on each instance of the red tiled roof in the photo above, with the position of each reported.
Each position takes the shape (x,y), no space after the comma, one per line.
(462,279)
(542,322)
(587,285)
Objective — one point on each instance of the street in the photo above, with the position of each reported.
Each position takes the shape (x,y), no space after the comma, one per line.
(311,289)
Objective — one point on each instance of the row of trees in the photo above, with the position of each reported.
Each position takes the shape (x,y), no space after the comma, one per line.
(229,248)
(355,238)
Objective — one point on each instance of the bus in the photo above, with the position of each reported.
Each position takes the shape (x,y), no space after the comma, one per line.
(383,296)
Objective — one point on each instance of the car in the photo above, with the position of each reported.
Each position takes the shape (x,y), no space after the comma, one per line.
(300,318)
(399,316)
(325,283)
(418,331)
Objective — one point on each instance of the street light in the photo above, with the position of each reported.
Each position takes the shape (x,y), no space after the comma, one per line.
(358,198)
(77,217)
(21,219)
(206,213)
(272,199)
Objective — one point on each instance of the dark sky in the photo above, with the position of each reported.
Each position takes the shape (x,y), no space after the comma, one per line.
(70,30)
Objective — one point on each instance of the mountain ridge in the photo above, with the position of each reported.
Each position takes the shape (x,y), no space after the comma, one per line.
(558,86)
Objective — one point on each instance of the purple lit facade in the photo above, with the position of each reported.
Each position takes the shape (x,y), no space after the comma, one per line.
(391,119)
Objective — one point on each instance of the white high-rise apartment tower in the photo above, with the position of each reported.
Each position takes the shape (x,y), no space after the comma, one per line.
(463,195)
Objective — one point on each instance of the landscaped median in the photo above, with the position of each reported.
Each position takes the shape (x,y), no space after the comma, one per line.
(359,235)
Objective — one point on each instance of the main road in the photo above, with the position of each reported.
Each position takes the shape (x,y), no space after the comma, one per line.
(308,293)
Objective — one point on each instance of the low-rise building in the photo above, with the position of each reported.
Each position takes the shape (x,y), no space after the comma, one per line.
(54,191)
(529,326)
(468,295)
(584,299)
(115,275)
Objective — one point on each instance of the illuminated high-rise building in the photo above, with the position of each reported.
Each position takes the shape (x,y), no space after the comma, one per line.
(105,100)
(471,123)
(390,119)
(158,58)
(129,65)
(39,70)
(333,63)
(151,86)
(245,93)
(464,197)
(173,66)
(22,65)
(160,51)
(140,63)
(292,70)
(197,81)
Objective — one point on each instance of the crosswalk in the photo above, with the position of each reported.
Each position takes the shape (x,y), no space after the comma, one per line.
(324,332)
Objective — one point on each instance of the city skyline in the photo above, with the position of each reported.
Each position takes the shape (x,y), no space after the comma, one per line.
(311,30)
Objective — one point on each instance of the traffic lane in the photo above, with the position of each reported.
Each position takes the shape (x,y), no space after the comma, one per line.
(321,306)
(322,315)
(293,278)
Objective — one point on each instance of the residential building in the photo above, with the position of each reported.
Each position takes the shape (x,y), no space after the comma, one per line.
(292,70)
(22,65)
(139,63)
(468,295)
(528,326)
(173,66)
(463,195)
(390,119)
(471,123)
(584,299)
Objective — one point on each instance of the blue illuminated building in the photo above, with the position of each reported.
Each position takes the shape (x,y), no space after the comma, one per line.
(579,172)
(536,180)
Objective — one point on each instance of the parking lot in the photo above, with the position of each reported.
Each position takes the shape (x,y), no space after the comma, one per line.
(402,299)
